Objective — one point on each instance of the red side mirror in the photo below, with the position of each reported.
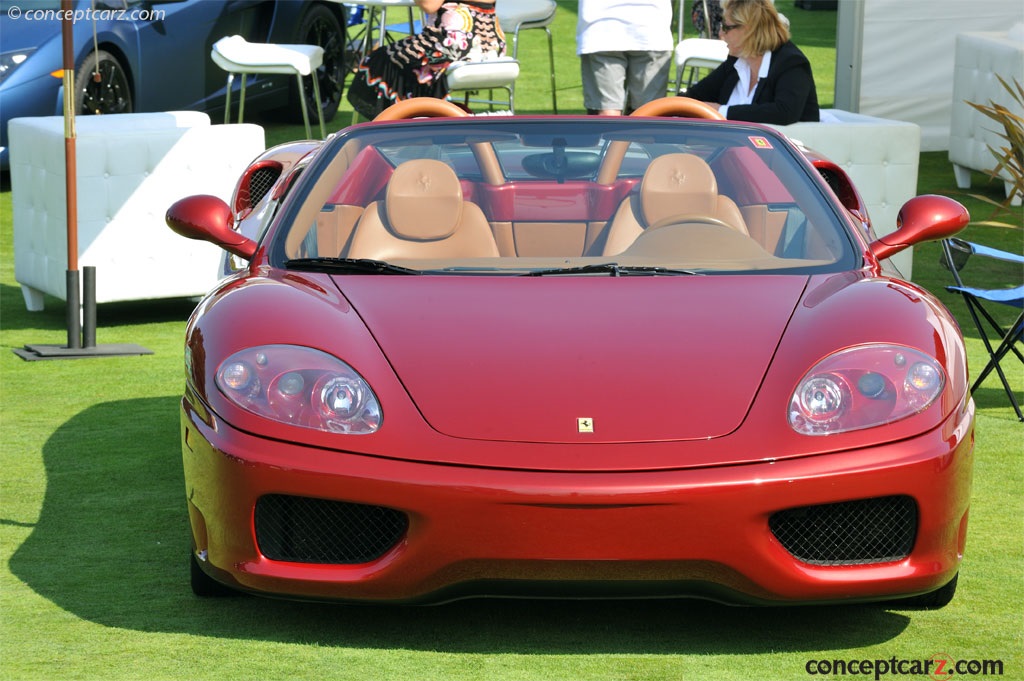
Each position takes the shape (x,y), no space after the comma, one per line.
(923,218)
(208,218)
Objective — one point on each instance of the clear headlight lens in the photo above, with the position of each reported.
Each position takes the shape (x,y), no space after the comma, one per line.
(864,387)
(301,387)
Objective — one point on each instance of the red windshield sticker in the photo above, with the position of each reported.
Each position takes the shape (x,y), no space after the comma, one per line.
(760,142)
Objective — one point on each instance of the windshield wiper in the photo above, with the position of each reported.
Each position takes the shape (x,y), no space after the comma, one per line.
(612,269)
(347,265)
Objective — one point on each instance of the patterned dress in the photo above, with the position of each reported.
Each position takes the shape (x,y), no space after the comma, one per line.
(714,11)
(415,66)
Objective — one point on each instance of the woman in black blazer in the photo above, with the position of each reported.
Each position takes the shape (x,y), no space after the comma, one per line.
(766,79)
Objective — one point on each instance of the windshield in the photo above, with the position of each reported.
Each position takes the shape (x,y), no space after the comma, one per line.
(601,196)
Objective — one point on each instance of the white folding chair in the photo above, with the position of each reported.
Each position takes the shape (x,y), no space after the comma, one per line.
(696,54)
(469,77)
(523,15)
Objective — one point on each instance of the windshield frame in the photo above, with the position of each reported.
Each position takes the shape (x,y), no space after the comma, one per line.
(406,138)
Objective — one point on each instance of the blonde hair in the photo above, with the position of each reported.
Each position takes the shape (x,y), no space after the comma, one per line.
(766,31)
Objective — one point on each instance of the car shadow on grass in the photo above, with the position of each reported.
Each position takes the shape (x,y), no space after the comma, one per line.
(111,546)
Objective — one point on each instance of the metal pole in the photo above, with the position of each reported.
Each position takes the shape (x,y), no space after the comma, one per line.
(89,306)
(72,311)
(70,179)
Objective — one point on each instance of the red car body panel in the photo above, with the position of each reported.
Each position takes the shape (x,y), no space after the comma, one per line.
(588,351)
(409,365)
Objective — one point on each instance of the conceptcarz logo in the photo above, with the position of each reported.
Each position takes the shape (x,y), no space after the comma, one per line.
(940,667)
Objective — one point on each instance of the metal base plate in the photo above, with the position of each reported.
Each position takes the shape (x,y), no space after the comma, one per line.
(39,352)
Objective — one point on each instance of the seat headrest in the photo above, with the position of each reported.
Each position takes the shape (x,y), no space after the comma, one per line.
(423,200)
(678,184)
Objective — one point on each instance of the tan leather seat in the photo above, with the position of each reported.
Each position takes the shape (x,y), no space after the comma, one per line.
(422,215)
(673,185)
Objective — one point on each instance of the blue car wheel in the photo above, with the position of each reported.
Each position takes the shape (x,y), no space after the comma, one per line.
(101,86)
(320,26)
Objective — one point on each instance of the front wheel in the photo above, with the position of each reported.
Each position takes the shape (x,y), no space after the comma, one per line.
(321,27)
(101,85)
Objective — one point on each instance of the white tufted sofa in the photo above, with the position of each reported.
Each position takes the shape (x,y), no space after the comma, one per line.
(130,168)
(979,58)
(881,156)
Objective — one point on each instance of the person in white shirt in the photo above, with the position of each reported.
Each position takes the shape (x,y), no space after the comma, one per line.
(625,49)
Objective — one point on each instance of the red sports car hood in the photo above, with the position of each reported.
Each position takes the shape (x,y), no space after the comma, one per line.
(550,359)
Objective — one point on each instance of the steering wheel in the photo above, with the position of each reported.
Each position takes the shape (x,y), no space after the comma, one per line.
(679,106)
(700,219)
(420,107)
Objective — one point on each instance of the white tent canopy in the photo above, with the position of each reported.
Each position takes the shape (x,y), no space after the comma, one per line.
(894,58)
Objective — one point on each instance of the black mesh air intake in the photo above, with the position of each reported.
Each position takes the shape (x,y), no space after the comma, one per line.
(260,182)
(306,530)
(879,530)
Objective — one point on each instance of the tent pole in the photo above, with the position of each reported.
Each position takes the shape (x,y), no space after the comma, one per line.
(70,179)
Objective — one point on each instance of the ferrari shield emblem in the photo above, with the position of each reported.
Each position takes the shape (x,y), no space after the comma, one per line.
(585,425)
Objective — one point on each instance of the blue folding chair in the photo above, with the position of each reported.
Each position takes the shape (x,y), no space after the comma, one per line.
(999,341)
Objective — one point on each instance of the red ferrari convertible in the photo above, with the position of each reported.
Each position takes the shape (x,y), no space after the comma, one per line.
(650,355)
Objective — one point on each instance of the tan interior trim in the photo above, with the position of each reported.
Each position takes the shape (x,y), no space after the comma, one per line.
(539,239)
(334,228)
(764,225)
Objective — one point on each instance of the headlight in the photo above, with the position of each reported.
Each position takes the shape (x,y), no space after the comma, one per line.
(12,60)
(864,387)
(301,387)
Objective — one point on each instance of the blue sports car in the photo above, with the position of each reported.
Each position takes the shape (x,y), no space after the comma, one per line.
(132,55)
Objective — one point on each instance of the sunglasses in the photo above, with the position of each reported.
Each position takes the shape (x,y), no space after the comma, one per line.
(728,27)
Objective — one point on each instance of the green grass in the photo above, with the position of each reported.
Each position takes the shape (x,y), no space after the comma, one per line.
(93,530)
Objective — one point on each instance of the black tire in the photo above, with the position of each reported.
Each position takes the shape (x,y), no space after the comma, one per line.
(205,586)
(111,94)
(320,26)
(932,600)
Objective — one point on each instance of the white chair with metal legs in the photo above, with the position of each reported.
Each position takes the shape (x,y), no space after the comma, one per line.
(235,54)
(469,77)
(523,15)
(695,54)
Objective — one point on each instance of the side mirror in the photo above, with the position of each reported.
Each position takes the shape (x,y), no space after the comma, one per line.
(208,218)
(923,218)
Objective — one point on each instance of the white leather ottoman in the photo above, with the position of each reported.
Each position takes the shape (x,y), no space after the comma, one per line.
(881,156)
(980,57)
(130,168)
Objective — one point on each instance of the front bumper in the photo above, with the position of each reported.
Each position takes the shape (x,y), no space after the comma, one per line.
(476,531)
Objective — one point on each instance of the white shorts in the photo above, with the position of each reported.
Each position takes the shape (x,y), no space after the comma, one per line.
(624,80)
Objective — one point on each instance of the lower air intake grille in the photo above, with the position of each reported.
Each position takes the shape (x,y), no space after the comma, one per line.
(305,530)
(880,530)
